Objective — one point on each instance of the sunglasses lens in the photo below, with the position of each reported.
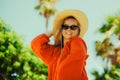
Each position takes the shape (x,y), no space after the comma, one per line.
(65,27)
(73,27)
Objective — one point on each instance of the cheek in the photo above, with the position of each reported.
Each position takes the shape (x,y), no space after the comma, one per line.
(76,32)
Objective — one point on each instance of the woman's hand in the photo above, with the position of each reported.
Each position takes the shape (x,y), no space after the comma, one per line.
(49,34)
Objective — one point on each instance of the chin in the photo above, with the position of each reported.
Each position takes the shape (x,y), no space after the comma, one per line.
(68,37)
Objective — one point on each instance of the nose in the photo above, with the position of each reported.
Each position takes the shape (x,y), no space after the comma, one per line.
(68,28)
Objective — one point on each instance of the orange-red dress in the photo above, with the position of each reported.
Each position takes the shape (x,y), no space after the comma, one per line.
(63,64)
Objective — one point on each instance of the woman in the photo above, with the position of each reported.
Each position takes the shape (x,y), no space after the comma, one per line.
(66,59)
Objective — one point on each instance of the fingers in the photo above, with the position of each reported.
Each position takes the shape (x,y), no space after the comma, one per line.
(49,34)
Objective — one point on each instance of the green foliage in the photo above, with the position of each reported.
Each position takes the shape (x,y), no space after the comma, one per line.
(103,48)
(17,62)
(46,8)
(112,74)
(98,76)
(117,23)
(112,21)
(105,28)
(108,50)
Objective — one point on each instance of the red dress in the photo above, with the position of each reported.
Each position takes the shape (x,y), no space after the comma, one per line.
(66,64)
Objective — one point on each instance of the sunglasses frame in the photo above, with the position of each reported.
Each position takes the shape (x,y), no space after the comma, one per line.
(65,27)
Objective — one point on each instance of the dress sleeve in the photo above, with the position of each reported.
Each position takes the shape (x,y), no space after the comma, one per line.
(73,67)
(42,49)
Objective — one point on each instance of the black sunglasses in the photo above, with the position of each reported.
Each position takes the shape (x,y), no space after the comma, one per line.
(73,27)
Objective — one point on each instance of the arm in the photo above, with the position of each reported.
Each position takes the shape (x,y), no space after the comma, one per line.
(73,67)
(42,49)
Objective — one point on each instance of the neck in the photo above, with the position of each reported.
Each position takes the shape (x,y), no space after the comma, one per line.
(65,41)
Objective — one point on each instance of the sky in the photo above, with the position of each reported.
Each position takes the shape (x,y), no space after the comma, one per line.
(26,21)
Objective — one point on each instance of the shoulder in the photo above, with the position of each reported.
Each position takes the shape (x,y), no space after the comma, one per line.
(78,42)
(79,39)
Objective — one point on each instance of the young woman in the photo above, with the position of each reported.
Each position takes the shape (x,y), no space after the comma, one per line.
(66,59)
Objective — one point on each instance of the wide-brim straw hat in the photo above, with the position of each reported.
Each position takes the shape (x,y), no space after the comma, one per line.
(77,14)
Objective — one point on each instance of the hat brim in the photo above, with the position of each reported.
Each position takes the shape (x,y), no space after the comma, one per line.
(77,14)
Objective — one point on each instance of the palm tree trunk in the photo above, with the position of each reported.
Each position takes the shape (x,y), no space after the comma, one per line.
(47,20)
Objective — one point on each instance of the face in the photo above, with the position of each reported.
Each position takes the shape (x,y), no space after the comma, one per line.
(68,33)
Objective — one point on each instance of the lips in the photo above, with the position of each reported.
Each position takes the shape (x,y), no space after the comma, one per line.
(68,33)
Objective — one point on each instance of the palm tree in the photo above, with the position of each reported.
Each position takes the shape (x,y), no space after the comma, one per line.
(47,9)
(108,47)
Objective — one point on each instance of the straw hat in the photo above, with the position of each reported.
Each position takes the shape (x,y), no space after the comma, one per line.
(80,17)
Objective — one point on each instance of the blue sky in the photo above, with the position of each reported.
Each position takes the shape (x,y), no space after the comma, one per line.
(25,20)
